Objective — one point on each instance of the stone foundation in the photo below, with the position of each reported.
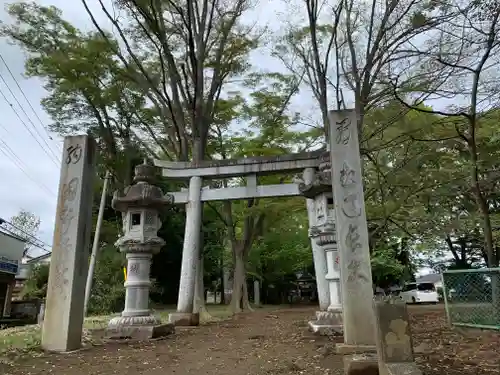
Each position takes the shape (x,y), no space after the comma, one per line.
(361,364)
(327,323)
(137,328)
(184,319)
(345,349)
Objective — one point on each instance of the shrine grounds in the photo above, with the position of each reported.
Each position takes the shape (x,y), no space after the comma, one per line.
(269,341)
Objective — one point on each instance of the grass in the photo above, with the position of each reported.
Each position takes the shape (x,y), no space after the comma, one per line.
(28,338)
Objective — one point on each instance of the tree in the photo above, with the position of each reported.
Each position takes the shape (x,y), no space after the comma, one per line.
(25,225)
(458,65)
(269,132)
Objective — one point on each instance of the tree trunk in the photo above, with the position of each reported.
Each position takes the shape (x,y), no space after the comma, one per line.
(199,305)
(238,281)
(222,281)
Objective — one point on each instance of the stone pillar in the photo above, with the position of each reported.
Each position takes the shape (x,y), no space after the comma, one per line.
(352,234)
(139,206)
(62,329)
(256,292)
(190,255)
(320,267)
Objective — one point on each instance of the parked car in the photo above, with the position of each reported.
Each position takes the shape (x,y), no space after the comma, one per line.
(419,293)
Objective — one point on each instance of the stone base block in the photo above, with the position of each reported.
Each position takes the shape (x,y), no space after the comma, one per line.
(407,368)
(184,319)
(361,364)
(138,332)
(327,323)
(324,329)
(345,349)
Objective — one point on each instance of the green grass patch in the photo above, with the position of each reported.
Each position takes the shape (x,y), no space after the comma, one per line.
(28,338)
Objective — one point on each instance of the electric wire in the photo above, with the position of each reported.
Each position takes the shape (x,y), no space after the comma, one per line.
(29,102)
(53,157)
(29,238)
(10,154)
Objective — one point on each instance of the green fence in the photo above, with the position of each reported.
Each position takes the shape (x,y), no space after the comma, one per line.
(472,297)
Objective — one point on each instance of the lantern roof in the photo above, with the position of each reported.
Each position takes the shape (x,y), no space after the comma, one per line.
(143,194)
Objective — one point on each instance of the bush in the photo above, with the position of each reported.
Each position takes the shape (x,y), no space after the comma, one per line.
(36,284)
(108,293)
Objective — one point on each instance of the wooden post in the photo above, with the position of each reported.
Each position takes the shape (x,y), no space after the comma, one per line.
(63,322)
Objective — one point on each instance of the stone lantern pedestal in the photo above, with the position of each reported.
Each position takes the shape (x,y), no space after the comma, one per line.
(328,321)
(140,206)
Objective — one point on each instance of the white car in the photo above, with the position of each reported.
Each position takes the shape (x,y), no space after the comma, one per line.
(419,293)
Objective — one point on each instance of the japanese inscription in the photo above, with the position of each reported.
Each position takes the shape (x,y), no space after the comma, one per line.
(65,217)
(350,201)
(352,240)
(355,273)
(343,131)
(73,154)
(347,176)
(134,269)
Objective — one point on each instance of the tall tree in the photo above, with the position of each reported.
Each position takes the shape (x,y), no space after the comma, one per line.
(26,225)
(460,64)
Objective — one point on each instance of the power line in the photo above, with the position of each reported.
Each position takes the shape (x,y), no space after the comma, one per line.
(7,231)
(28,101)
(11,155)
(25,235)
(29,130)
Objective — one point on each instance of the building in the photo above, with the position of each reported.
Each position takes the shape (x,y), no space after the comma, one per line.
(11,254)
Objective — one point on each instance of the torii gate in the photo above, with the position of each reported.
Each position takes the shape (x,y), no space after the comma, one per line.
(343,221)
(250,168)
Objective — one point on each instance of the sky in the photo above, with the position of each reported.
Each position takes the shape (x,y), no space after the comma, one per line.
(30,155)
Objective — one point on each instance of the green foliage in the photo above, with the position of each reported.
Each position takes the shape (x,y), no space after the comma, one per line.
(108,293)
(36,284)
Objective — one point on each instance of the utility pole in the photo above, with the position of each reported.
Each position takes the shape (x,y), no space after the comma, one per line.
(95,245)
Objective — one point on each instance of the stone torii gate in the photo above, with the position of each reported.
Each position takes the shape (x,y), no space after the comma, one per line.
(340,221)
(251,168)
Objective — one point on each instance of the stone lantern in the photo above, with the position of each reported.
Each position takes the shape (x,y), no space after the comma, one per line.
(327,322)
(140,205)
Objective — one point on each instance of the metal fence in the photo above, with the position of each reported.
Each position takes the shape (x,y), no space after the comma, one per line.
(472,297)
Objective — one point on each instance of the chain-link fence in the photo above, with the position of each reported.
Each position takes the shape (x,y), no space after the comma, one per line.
(472,297)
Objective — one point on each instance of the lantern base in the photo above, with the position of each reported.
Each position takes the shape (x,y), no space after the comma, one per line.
(327,323)
(137,328)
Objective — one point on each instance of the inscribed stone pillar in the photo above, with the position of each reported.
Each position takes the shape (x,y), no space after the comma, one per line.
(139,205)
(190,255)
(63,324)
(319,259)
(352,231)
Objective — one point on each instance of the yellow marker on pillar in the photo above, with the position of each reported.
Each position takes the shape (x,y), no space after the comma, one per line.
(125,273)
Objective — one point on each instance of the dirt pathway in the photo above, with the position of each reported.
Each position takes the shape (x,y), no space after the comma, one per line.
(259,343)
